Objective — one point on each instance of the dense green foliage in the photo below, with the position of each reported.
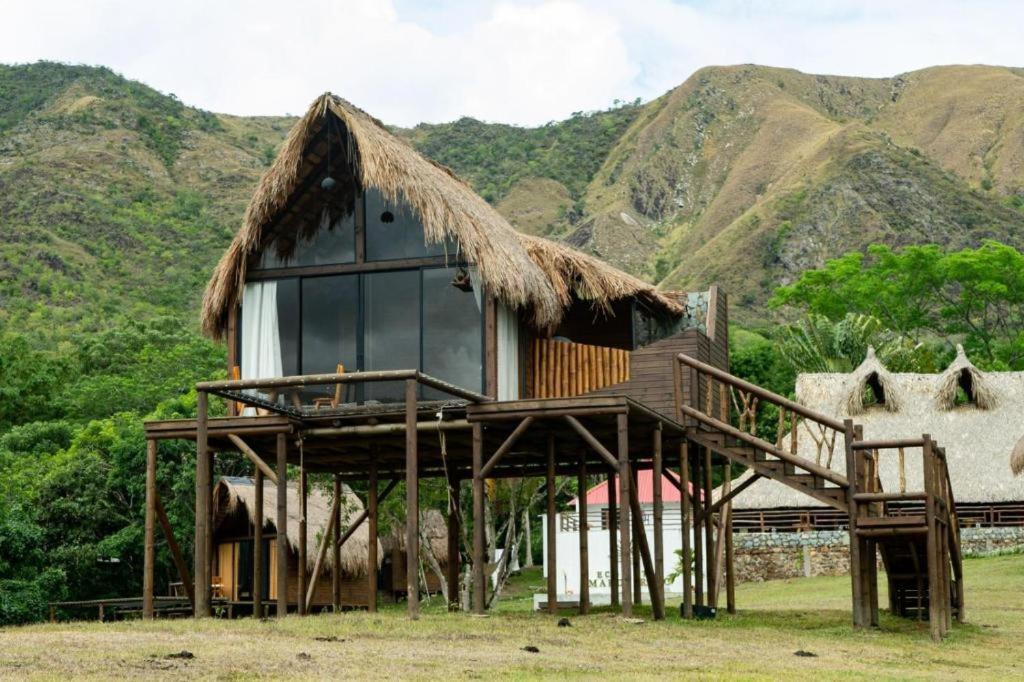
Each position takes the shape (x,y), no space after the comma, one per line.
(494,156)
(923,292)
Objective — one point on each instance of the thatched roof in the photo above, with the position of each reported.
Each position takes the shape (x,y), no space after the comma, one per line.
(978,441)
(871,373)
(591,279)
(1017,458)
(234,491)
(961,373)
(432,526)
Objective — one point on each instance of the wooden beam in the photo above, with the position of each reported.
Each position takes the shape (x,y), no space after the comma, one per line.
(552,559)
(321,557)
(506,446)
(592,441)
(257,547)
(698,540)
(203,477)
(855,542)
(625,553)
(658,598)
(686,525)
(176,553)
(613,540)
(730,563)
(729,495)
(149,533)
(303,538)
(244,448)
(336,551)
(657,607)
(282,525)
(371,548)
(412,501)
(454,532)
(479,584)
(581,513)
(638,594)
(709,530)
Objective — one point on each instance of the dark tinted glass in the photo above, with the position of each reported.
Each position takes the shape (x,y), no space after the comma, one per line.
(330,316)
(334,242)
(393,231)
(288,324)
(452,332)
(391,303)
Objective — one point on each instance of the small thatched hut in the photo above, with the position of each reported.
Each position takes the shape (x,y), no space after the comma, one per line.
(234,515)
(976,416)
(433,539)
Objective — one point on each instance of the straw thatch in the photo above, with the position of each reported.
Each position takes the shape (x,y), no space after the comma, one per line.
(233,492)
(1017,458)
(871,372)
(445,205)
(433,527)
(979,443)
(963,374)
(590,279)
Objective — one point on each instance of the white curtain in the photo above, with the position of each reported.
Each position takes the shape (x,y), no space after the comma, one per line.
(508,353)
(261,337)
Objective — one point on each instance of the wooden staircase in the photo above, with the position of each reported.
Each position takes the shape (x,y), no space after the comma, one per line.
(919,549)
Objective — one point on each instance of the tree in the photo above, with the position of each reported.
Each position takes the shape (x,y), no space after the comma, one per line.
(974,296)
(817,344)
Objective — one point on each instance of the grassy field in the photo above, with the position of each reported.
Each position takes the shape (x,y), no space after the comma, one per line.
(776,620)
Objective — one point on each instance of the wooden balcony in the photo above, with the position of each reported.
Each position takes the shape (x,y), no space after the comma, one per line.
(563,369)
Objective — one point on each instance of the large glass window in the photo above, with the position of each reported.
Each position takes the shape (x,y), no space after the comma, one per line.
(452,331)
(391,318)
(288,324)
(393,231)
(334,242)
(330,319)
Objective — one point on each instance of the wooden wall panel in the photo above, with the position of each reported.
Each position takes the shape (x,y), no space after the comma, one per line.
(562,369)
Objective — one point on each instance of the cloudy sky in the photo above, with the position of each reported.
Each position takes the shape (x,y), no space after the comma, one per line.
(516,61)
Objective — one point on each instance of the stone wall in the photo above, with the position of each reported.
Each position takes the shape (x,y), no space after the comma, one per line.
(769,556)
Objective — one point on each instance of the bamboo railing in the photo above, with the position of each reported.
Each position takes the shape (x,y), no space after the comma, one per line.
(562,369)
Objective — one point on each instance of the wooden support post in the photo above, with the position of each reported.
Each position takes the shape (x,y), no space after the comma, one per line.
(638,596)
(412,501)
(281,525)
(371,547)
(687,525)
(935,595)
(581,514)
(479,579)
(640,540)
(257,546)
(613,540)
(176,554)
(203,477)
(336,551)
(552,559)
(657,595)
(730,557)
(709,531)
(698,541)
(849,435)
(303,573)
(454,532)
(149,534)
(625,552)
(321,556)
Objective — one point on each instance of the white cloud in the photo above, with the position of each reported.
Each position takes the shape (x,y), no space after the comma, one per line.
(522,62)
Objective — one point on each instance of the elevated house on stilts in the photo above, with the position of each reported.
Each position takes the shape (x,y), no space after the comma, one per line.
(385,324)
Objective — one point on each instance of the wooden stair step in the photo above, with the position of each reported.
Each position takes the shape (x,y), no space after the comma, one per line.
(889,521)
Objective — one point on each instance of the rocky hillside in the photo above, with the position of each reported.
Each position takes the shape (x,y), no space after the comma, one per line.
(116,199)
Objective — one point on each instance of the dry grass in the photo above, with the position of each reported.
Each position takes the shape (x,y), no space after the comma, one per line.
(777,619)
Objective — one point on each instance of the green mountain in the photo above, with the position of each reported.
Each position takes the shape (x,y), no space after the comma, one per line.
(116,199)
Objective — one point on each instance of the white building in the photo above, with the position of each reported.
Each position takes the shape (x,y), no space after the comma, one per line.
(567,541)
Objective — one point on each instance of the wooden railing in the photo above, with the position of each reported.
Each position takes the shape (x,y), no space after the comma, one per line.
(563,369)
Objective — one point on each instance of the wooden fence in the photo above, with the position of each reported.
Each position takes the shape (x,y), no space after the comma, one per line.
(562,369)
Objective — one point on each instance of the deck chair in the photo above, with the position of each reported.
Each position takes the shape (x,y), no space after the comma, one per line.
(237,407)
(340,392)
(216,587)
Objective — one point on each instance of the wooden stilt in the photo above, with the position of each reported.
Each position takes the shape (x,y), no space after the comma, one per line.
(149,534)
(613,540)
(281,525)
(479,579)
(336,551)
(584,530)
(856,579)
(709,530)
(638,596)
(730,556)
(625,554)
(657,595)
(303,538)
(175,549)
(687,525)
(698,527)
(551,536)
(203,477)
(371,547)
(412,503)
(452,568)
(640,539)
(257,547)
(935,619)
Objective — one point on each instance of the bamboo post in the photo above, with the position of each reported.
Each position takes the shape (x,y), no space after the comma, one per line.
(584,531)
(203,477)
(454,531)
(281,526)
(412,501)
(625,553)
(371,545)
(613,541)
(552,563)
(303,538)
(479,584)
(149,554)
(257,547)
(657,595)
(686,523)
(336,551)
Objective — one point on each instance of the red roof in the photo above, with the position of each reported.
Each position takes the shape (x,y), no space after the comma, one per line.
(645,483)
